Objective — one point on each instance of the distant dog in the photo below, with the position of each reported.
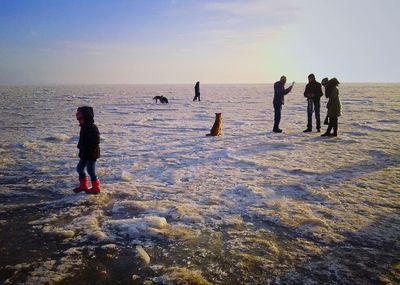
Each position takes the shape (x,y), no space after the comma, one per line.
(162,99)
(217,127)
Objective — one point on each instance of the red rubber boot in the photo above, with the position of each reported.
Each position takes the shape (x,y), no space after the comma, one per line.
(83,185)
(95,187)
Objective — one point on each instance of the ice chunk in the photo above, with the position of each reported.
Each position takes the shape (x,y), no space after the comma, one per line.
(135,277)
(156,267)
(185,212)
(179,275)
(156,222)
(142,254)
(89,226)
(146,226)
(109,246)
(58,232)
(58,138)
(126,176)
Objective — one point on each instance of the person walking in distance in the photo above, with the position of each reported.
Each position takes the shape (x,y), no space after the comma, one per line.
(313,93)
(279,100)
(197,91)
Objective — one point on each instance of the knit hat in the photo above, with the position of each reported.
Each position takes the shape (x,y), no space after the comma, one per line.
(324,81)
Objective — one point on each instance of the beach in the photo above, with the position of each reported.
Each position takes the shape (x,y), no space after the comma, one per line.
(248,207)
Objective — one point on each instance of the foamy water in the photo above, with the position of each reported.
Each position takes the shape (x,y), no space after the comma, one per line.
(249,207)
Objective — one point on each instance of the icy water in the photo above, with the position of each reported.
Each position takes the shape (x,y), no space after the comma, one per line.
(249,207)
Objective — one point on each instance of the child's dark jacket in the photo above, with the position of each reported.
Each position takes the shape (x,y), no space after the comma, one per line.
(89,138)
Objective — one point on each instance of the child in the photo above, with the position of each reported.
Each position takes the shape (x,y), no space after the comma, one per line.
(89,151)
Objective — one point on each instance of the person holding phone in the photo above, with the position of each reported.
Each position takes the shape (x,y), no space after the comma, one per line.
(279,100)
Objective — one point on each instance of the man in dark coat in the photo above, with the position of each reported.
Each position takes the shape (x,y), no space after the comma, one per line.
(313,93)
(89,150)
(279,100)
(197,91)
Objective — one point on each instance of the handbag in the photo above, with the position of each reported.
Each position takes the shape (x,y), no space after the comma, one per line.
(326,121)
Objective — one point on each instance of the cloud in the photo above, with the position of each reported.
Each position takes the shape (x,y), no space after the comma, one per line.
(247,22)
(252,7)
(230,24)
(88,48)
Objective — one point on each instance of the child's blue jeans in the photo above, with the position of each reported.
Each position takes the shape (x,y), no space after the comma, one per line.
(91,169)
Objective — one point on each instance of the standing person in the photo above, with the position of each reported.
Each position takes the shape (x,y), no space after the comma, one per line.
(334,105)
(279,100)
(197,91)
(313,93)
(89,151)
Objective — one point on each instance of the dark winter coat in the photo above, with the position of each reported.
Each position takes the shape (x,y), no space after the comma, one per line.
(89,138)
(334,105)
(279,93)
(314,88)
(197,89)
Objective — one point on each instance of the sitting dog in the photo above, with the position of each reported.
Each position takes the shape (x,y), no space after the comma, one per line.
(162,99)
(217,127)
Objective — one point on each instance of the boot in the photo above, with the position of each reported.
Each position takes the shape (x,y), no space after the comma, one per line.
(327,133)
(335,127)
(328,130)
(83,185)
(308,130)
(95,187)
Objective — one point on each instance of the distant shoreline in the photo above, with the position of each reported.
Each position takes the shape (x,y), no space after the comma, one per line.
(173,84)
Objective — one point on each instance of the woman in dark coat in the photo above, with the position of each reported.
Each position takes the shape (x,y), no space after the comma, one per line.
(334,105)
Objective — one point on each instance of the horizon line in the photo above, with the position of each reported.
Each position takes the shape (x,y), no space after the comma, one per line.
(207,83)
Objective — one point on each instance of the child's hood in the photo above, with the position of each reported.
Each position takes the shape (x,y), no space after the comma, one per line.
(87,113)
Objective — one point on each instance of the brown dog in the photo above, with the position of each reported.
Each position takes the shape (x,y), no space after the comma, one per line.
(217,127)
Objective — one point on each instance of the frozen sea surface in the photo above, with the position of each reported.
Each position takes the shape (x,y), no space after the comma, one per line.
(177,207)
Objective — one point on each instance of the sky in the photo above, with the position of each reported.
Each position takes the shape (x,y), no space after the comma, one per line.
(182,41)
